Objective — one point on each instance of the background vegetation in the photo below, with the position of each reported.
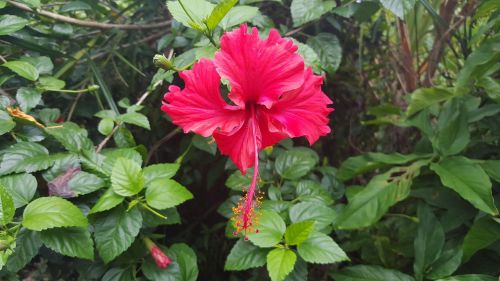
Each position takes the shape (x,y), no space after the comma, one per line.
(405,188)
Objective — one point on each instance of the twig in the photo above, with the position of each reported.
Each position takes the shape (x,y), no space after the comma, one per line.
(101,145)
(88,23)
(160,143)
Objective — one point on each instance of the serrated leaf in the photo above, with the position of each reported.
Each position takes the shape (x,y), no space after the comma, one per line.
(107,201)
(238,15)
(422,98)
(25,157)
(219,12)
(187,261)
(244,255)
(71,242)
(193,15)
(298,232)
(369,273)
(467,179)
(28,98)
(27,245)
(135,118)
(329,51)
(22,69)
(84,183)
(280,263)
(21,187)
(294,164)
(304,11)
(49,212)
(7,209)
(160,171)
(6,122)
(71,136)
(115,232)
(10,24)
(166,193)
(127,178)
(271,229)
(322,215)
(320,248)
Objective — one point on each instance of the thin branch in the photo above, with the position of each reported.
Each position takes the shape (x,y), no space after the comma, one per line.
(158,144)
(87,23)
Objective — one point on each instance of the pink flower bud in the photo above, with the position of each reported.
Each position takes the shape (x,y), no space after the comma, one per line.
(161,260)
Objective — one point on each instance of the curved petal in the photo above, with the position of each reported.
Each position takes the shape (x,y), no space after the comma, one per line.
(199,107)
(302,112)
(259,71)
(239,145)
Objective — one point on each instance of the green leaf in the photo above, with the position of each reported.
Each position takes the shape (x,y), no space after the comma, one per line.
(295,163)
(166,193)
(21,187)
(75,6)
(186,258)
(22,69)
(115,231)
(119,274)
(422,98)
(27,245)
(428,242)
(320,248)
(6,123)
(135,118)
(361,164)
(310,56)
(447,263)
(32,3)
(49,212)
(399,7)
(10,24)
(299,272)
(453,131)
(159,171)
(312,191)
(479,62)
(244,255)
(49,83)
(311,211)
(470,277)
(467,179)
(205,144)
(107,201)
(238,15)
(237,181)
(42,64)
(483,233)
(328,48)
(372,202)
(116,153)
(71,242)
(280,263)
(219,12)
(304,11)
(127,178)
(271,229)
(298,232)
(105,126)
(369,273)
(191,13)
(7,209)
(483,112)
(71,136)
(84,183)
(492,168)
(28,98)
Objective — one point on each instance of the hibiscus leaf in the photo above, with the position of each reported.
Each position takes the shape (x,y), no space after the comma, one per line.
(219,12)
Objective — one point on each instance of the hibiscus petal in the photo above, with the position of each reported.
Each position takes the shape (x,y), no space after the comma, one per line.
(302,112)
(259,71)
(199,107)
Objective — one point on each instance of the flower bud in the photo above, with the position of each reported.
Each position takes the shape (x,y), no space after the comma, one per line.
(162,62)
(161,260)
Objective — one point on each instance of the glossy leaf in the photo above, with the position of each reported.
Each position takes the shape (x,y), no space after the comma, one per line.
(271,229)
(49,212)
(244,255)
(280,263)
(127,178)
(22,69)
(320,248)
(166,193)
(72,242)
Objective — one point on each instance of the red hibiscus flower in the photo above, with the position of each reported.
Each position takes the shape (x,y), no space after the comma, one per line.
(273,96)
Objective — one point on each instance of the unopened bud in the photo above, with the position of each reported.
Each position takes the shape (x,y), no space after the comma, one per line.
(162,62)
